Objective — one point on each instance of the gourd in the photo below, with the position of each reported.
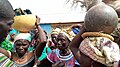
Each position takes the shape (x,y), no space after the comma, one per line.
(101,18)
(24,23)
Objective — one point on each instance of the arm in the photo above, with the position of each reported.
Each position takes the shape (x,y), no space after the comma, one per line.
(51,61)
(45,62)
(74,45)
(42,35)
(5,52)
(42,39)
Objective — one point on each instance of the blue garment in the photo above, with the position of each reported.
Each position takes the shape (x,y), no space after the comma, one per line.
(13,31)
(119,64)
(76,30)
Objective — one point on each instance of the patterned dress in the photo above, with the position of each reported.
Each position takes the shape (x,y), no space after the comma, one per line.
(69,60)
(100,49)
(6,62)
(28,60)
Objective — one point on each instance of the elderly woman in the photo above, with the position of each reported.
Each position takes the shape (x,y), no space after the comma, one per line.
(62,56)
(22,56)
(54,35)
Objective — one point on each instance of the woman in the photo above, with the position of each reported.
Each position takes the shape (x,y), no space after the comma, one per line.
(81,53)
(22,56)
(62,56)
(93,46)
(53,42)
(8,44)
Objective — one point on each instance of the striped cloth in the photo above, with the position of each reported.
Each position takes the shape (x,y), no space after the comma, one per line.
(6,62)
(100,49)
(55,57)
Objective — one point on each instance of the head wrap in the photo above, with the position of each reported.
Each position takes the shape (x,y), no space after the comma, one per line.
(68,33)
(26,36)
(55,31)
(100,49)
(13,31)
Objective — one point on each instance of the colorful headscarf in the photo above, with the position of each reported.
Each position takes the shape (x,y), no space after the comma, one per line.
(68,32)
(100,49)
(26,36)
(70,35)
(55,31)
(13,31)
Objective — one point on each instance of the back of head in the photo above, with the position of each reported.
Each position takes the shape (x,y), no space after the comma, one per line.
(6,10)
(101,17)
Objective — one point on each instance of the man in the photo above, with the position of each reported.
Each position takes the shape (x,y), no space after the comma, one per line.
(6,19)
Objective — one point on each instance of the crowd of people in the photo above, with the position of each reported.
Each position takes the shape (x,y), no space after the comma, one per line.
(77,46)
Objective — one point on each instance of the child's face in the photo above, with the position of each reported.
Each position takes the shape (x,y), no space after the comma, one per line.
(62,42)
